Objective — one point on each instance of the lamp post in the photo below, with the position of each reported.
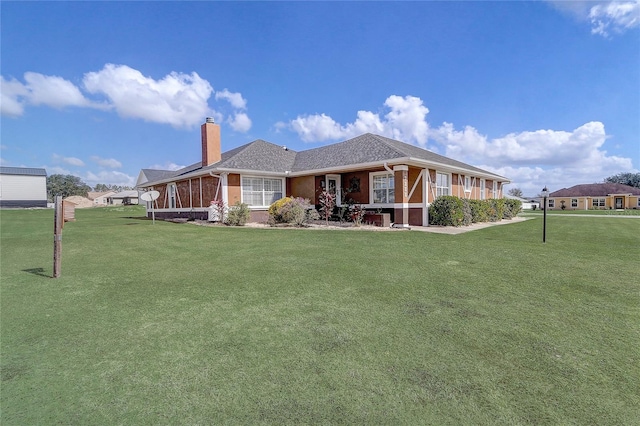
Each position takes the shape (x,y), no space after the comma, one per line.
(545,194)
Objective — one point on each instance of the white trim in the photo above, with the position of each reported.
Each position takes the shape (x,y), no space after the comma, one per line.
(338,194)
(483,189)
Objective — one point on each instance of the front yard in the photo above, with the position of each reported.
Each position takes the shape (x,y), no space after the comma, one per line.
(181,324)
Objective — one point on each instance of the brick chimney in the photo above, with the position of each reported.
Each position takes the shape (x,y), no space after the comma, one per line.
(211,152)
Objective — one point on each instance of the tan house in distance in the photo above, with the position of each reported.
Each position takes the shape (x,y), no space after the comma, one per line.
(595,196)
(377,172)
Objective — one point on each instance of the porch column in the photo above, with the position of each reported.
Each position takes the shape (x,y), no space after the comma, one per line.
(401,205)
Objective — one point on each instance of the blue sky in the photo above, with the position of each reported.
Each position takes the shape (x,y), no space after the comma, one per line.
(545,93)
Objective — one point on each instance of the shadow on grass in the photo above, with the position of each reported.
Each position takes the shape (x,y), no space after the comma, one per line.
(37,271)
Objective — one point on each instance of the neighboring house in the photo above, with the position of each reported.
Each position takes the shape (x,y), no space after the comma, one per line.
(100,198)
(595,196)
(23,187)
(527,203)
(374,171)
(123,198)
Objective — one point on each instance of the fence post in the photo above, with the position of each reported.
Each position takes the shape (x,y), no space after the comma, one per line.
(58,221)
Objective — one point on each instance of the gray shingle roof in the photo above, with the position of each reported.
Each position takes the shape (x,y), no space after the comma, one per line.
(369,148)
(264,156)
(595,190)
(258,155)
(23,171)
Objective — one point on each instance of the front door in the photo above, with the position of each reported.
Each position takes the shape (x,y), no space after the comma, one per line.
(333,186)
(619,203)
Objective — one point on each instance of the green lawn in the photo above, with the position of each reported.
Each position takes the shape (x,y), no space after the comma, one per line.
(183,324)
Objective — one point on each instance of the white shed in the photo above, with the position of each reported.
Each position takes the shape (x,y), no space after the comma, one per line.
(23,187)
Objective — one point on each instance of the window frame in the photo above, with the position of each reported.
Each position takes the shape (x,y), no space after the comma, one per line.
(551,203)
(483,189)
(574,203)
(390,199)
(262,191)
(172,191)
(467,184)
(439,188)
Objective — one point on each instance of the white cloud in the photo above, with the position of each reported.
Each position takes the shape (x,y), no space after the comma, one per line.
(108,177)
(604,16)
(406,121)
(532,159)
(107,162)
(72,161)
(614,16)
(12,97)
(240,122)
(235,99)
(177,99)
(166,166)
(39,89)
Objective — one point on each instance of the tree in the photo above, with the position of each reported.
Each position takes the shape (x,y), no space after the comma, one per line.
(631,179)
(516,192)
(66,186)
(101,187)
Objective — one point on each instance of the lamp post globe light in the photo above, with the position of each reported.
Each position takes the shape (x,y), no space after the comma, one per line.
(545,194)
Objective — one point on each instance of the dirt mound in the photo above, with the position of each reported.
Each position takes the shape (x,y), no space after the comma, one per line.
(80,202)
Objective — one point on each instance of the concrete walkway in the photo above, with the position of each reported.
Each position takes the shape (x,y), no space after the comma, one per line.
(452,230)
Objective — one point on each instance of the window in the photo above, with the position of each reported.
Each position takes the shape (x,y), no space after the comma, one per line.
(495,189)
(442,184)
(172,195)
(383,188)
(261,192)
(574,202)
(598,202)
(552,203)
(638,201)
(482,189)
(467,184)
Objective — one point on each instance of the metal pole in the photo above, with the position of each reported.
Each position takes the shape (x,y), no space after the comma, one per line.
(544,222)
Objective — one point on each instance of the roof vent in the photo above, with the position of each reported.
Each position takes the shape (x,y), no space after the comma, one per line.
(210,120)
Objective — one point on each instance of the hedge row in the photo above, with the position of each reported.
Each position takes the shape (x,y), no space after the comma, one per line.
(449,210)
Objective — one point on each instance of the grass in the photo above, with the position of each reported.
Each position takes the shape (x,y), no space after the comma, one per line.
(181,324)
(625,212)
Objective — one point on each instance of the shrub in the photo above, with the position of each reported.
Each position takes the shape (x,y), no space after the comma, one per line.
(496,209)
(479,211)
(295,211)
(238,214)
(446,210)
(356,213)
(512,208)
(467,216)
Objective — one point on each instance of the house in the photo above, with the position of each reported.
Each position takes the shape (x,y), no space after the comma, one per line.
(377,172)
(123,198)
(595,196)
(527,203)
(100,198)
(23,187)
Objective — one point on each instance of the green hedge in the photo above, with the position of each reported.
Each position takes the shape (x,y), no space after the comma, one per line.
(449,210)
